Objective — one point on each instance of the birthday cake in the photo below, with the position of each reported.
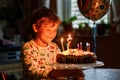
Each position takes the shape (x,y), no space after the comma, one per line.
(76,56)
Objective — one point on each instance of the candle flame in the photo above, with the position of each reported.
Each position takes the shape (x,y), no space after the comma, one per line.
(87,44)
(62,39)
(81,43)
(69,37)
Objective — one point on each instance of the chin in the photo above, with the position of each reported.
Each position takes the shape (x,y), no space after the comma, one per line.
(48,41)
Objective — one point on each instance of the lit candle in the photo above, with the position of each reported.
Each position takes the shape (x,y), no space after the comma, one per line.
(78,46)
(81,45)
(62,44)
(88,46)
(69,39)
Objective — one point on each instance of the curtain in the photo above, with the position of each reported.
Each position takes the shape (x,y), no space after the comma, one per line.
(53,5)
(45,3)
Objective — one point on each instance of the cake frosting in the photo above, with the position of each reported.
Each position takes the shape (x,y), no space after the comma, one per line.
(76,56)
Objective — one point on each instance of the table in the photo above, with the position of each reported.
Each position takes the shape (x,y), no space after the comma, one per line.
(90,73)
(102,74)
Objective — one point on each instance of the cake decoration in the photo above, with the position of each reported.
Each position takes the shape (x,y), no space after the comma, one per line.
(76,56)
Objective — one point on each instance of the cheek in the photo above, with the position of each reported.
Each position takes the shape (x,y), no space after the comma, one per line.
(55,33)
(52,33)
(41,32)
(44,33)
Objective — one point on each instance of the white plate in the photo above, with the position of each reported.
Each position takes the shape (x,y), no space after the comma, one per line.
(77,66)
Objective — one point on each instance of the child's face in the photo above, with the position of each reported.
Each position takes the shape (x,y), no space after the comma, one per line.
(47,32)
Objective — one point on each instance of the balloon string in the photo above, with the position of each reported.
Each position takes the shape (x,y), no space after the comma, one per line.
(94,37)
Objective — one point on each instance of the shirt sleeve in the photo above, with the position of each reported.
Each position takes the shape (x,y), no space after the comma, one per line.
(32,63)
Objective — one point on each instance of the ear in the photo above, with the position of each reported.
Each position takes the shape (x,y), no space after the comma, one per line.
(34,26)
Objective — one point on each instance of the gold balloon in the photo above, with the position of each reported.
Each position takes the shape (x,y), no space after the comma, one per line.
(93,9)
